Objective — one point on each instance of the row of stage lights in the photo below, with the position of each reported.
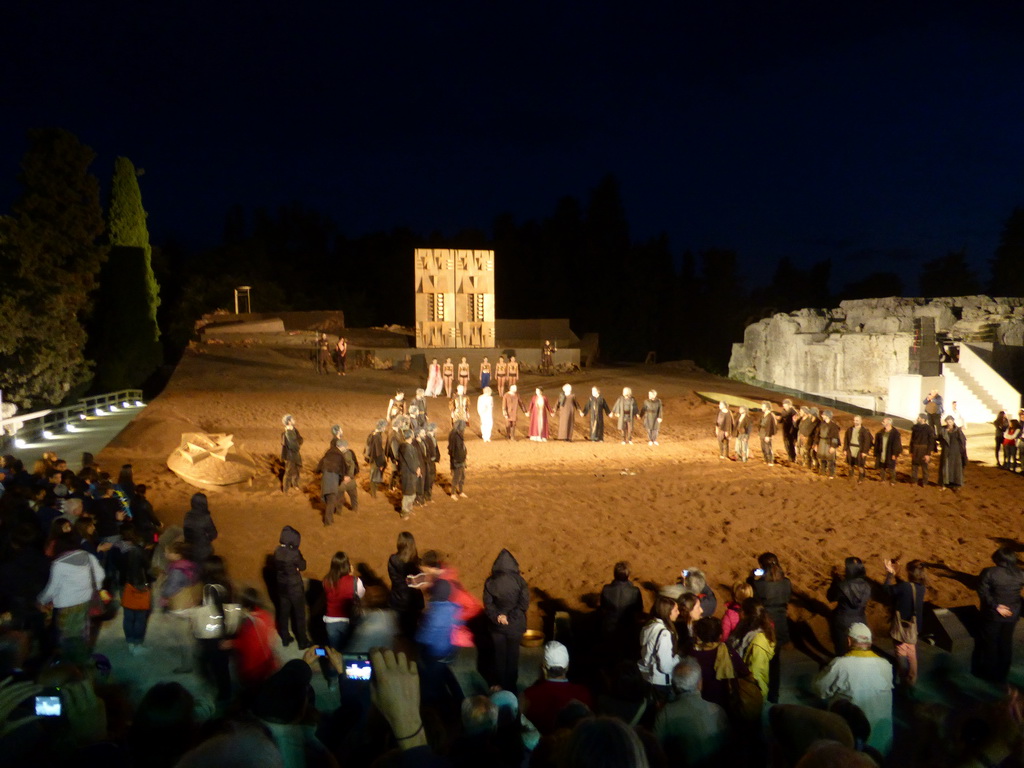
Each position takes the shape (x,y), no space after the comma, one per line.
(71,427)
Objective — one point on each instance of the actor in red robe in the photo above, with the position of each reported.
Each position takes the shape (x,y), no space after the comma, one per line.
(540,410)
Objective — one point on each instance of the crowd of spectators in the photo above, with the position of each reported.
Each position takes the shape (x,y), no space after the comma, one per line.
(691,681)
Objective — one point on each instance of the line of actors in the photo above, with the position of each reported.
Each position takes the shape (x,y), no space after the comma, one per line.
(813,439)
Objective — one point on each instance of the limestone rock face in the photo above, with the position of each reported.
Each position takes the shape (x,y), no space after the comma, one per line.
(855,347)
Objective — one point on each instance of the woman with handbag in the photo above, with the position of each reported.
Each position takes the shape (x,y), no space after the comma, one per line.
(908,615)
(73,587)
(214,623)
(659,647)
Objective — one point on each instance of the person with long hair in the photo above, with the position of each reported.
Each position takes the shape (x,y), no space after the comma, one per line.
(342,592)
(659,646)
(999,589)
(754,641)
(773,590)
(714,656)
(135,580)
(691,610)
(741,591)
(404,571)
(908,604)
(850,592)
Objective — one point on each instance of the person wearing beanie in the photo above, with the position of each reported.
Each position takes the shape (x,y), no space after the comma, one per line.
(548,696)
(291,604)
(864,678)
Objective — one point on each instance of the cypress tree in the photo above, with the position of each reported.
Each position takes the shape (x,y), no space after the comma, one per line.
(126,341)
(50,254)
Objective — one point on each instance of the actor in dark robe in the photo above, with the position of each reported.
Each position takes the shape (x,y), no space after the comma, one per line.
(597,408)
(540,411)
(888,446)
(291,442)
(567,408)
(723,429)
(374,456)
(766,431)
(393,448)
(331,467)
(511,405)
(410,467)
(857,443)
(922,445)
(828,444)
(546,362)
(433,456)
(626,410)
(457,460)
(420,401)
(790,427)
(651,412)
(953,456)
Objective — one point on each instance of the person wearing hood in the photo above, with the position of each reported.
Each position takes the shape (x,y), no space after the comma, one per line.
(506,600)
(457,459)
(850,592)
(200,532)
(375,456)
(291,604)
(291,442)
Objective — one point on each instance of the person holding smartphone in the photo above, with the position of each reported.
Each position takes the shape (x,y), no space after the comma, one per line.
(774,590)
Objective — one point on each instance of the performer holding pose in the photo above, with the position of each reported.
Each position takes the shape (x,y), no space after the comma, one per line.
(464,374)
(448,373)
(501,374)
(511,405)
(485,374)
(291,442)
(597,408)
(435,384)
(540,410)
(651,412)
(626,410)
(342,354)
(513,370)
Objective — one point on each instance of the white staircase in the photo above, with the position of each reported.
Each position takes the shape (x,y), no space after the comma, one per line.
(979,391)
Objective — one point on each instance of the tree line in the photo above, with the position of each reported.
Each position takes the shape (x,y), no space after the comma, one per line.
(85,295)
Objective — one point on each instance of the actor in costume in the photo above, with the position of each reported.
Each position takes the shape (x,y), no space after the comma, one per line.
(393,449)
(511,405)
(396,407)
(857,442)
(323,353)
(331,467)
(790,427)
(433,456)
(435,384)
(457,460)
(464,375)
(513,370)
(807,435)
(922,444)
(651,413)
(420,441)
(626,410)
(887,447)
(448,374)
(485,374)
(459,406)
(374,456)
(766,431)
(953,456)
(411,469)
(501,374)
(540,410)
(485,410)
(341,353)
(420,401)
(723,429)
(743,427)
(597,408)
(291,442)
(567,408)
(546,362)
(828,444)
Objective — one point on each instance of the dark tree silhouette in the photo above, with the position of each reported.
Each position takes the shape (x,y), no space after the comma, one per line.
(949,275)
(1007,275)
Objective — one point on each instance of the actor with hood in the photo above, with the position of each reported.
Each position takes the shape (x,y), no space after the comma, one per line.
(850,591)
(457,459)
(506,600)
(291,604)
(374,456)
(200,531)
(331,467)
(952,455)
(567,408)
(433,454)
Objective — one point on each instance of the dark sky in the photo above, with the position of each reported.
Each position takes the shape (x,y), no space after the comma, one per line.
(876,133)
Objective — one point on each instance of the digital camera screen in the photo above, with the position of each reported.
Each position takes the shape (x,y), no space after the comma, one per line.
(357,668)
(48,706)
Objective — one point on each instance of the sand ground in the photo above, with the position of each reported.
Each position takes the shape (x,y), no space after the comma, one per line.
(567,511)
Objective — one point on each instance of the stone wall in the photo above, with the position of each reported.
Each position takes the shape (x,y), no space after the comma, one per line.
(855,347)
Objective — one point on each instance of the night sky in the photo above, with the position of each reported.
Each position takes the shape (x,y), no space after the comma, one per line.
(879,134)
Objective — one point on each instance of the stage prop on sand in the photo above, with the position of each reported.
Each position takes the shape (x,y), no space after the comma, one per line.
(210,461)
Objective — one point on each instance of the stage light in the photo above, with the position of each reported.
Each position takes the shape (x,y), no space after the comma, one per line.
(114,409)
(48,434)
(138,403)
(19,443)
(100,412)
(70,428)
(81,416)
(125,404)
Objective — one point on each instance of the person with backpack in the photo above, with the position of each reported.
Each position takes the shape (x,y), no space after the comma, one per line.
(291,604)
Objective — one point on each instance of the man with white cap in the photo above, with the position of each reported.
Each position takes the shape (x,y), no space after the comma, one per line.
(864,678)
(548,696)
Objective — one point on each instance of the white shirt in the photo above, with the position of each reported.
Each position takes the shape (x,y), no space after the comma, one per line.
(864,678)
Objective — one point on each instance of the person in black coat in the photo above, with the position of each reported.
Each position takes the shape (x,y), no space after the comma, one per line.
(908,601)
(331,468)
(773,589)
(850,592)
(999,589)
(457,459)
(200,532)
(506,600)
(406,599)
(888,447)
(291,599)
(410,466)
(433,456)
(374,456)
(621,607)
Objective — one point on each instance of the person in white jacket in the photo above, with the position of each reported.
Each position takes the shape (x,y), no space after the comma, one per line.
(659,647)
(485,410)
(74,576)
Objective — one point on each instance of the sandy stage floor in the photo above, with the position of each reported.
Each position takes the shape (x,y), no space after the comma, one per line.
(567,511)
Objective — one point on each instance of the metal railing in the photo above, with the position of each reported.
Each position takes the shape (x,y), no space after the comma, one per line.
(30,427)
